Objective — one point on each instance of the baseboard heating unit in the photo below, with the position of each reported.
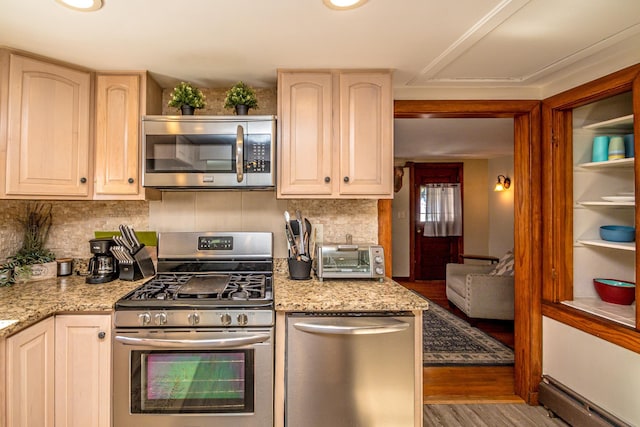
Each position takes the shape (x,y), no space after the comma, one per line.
(573,408)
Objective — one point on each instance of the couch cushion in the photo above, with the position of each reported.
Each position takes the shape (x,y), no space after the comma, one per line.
(504,267)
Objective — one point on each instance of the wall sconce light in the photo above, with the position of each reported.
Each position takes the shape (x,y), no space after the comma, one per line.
(503,183)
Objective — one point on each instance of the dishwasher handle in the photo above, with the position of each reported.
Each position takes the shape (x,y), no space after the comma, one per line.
(203,343)
(353,326)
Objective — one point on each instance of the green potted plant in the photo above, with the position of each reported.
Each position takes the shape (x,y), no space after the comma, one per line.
(32,261)
(187,98)
(241,97)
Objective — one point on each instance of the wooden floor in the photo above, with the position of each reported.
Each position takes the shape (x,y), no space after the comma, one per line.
(467,384)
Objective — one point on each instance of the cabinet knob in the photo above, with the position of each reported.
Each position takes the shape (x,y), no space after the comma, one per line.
(327,179)
(83,180)
(101,335)
(346,179)
(130,181)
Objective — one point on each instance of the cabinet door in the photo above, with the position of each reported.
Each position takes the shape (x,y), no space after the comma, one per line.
(48,130)
(366,139)
(117,135)
(305,149)
(83,370)
(30,376)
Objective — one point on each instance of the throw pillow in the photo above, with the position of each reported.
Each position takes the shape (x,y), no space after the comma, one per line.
(504,267)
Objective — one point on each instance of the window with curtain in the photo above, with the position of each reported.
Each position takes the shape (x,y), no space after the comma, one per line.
(441,209)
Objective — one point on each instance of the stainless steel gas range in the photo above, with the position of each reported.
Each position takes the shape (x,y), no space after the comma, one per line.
(194,345)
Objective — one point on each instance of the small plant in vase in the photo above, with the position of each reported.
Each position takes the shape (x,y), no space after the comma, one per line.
(241,97)
(32,261)
(187,98)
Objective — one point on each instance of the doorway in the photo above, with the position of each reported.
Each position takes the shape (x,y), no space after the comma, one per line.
(436,207)
(528,237)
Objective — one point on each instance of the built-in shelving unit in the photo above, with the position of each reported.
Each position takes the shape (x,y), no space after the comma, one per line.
(605,195)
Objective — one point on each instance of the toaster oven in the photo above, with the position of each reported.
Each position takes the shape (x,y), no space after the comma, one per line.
(350,261)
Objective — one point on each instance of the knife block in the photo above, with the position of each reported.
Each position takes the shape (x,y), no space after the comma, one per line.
(141,267)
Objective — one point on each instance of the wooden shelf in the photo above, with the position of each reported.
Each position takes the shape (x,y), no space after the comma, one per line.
(620,163)
(597,203)
(619,124)
(623,314)
(624,246)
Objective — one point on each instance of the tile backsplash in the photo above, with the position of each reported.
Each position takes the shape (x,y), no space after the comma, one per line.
(74,222)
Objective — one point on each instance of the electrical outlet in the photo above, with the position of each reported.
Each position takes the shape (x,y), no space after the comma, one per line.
(318,232)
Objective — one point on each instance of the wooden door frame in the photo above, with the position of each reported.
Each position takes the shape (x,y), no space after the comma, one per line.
(527,179)
(412,210)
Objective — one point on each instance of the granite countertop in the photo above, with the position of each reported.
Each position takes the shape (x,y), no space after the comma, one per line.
(24,304)
(342,295)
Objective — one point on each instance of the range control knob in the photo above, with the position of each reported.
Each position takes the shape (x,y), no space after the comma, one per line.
(144,319)
(243,319)
(379,271)
(378,259)
(193,318)
(225,319)
(160,319)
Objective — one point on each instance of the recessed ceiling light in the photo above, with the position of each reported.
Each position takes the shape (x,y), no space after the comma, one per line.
(344,4)
(82,5)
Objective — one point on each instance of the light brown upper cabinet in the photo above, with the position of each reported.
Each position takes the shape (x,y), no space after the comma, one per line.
(47,139)
(583,193)
(121,99)
(335,134)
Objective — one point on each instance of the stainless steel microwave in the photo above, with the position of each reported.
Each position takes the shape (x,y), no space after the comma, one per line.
(208,152)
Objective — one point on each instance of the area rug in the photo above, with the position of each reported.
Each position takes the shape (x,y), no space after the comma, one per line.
(450,341)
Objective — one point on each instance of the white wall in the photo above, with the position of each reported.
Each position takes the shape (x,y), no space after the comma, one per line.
(604,373)
(501,221)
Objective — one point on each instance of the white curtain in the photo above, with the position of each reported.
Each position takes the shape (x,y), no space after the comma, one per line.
(442,205)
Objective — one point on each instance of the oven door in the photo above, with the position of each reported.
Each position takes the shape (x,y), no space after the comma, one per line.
(216,377)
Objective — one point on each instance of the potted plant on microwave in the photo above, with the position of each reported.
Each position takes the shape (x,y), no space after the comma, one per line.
(33,261)
(187,98)
(241,97)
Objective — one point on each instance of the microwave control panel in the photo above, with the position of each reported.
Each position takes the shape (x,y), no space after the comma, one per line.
(258,157)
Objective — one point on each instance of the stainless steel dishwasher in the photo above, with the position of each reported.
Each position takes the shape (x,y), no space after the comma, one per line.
(350,370)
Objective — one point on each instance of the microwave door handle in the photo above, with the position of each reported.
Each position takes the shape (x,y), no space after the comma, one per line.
(239,153)
(203,343)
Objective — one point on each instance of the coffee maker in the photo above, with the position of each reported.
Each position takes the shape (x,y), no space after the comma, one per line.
(103,266)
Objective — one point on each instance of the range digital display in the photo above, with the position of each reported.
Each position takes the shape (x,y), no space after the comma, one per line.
(215,243)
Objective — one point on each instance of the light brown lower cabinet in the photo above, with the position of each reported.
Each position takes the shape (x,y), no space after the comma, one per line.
(58,373)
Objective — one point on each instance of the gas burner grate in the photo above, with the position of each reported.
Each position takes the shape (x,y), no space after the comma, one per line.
(166,286)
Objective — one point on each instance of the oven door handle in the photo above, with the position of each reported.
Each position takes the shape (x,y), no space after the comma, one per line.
(204,343)
(346,327)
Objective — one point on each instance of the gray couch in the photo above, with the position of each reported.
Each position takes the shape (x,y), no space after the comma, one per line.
(478,294)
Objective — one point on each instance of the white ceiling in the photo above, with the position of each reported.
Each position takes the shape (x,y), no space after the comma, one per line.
(438,49)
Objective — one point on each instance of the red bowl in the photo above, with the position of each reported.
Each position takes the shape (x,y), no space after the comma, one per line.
(615,291)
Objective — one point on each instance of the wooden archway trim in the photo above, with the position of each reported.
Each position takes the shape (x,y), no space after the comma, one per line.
(527,217)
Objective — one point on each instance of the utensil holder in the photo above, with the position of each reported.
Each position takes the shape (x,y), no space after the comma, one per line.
(298,269)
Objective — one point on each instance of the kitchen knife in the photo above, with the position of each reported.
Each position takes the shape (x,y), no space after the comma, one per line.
(134,238)
(301,248)
(290,235)
(125,235)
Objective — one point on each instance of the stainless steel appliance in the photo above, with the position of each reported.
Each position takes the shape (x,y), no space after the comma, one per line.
(103,267)
(349,261)
(208,152)
(350,369)
(194,345)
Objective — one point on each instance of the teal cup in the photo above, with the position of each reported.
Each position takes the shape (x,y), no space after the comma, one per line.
(629,150)
(600,151)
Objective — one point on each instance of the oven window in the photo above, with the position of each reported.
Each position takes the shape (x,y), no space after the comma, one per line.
(182,381)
